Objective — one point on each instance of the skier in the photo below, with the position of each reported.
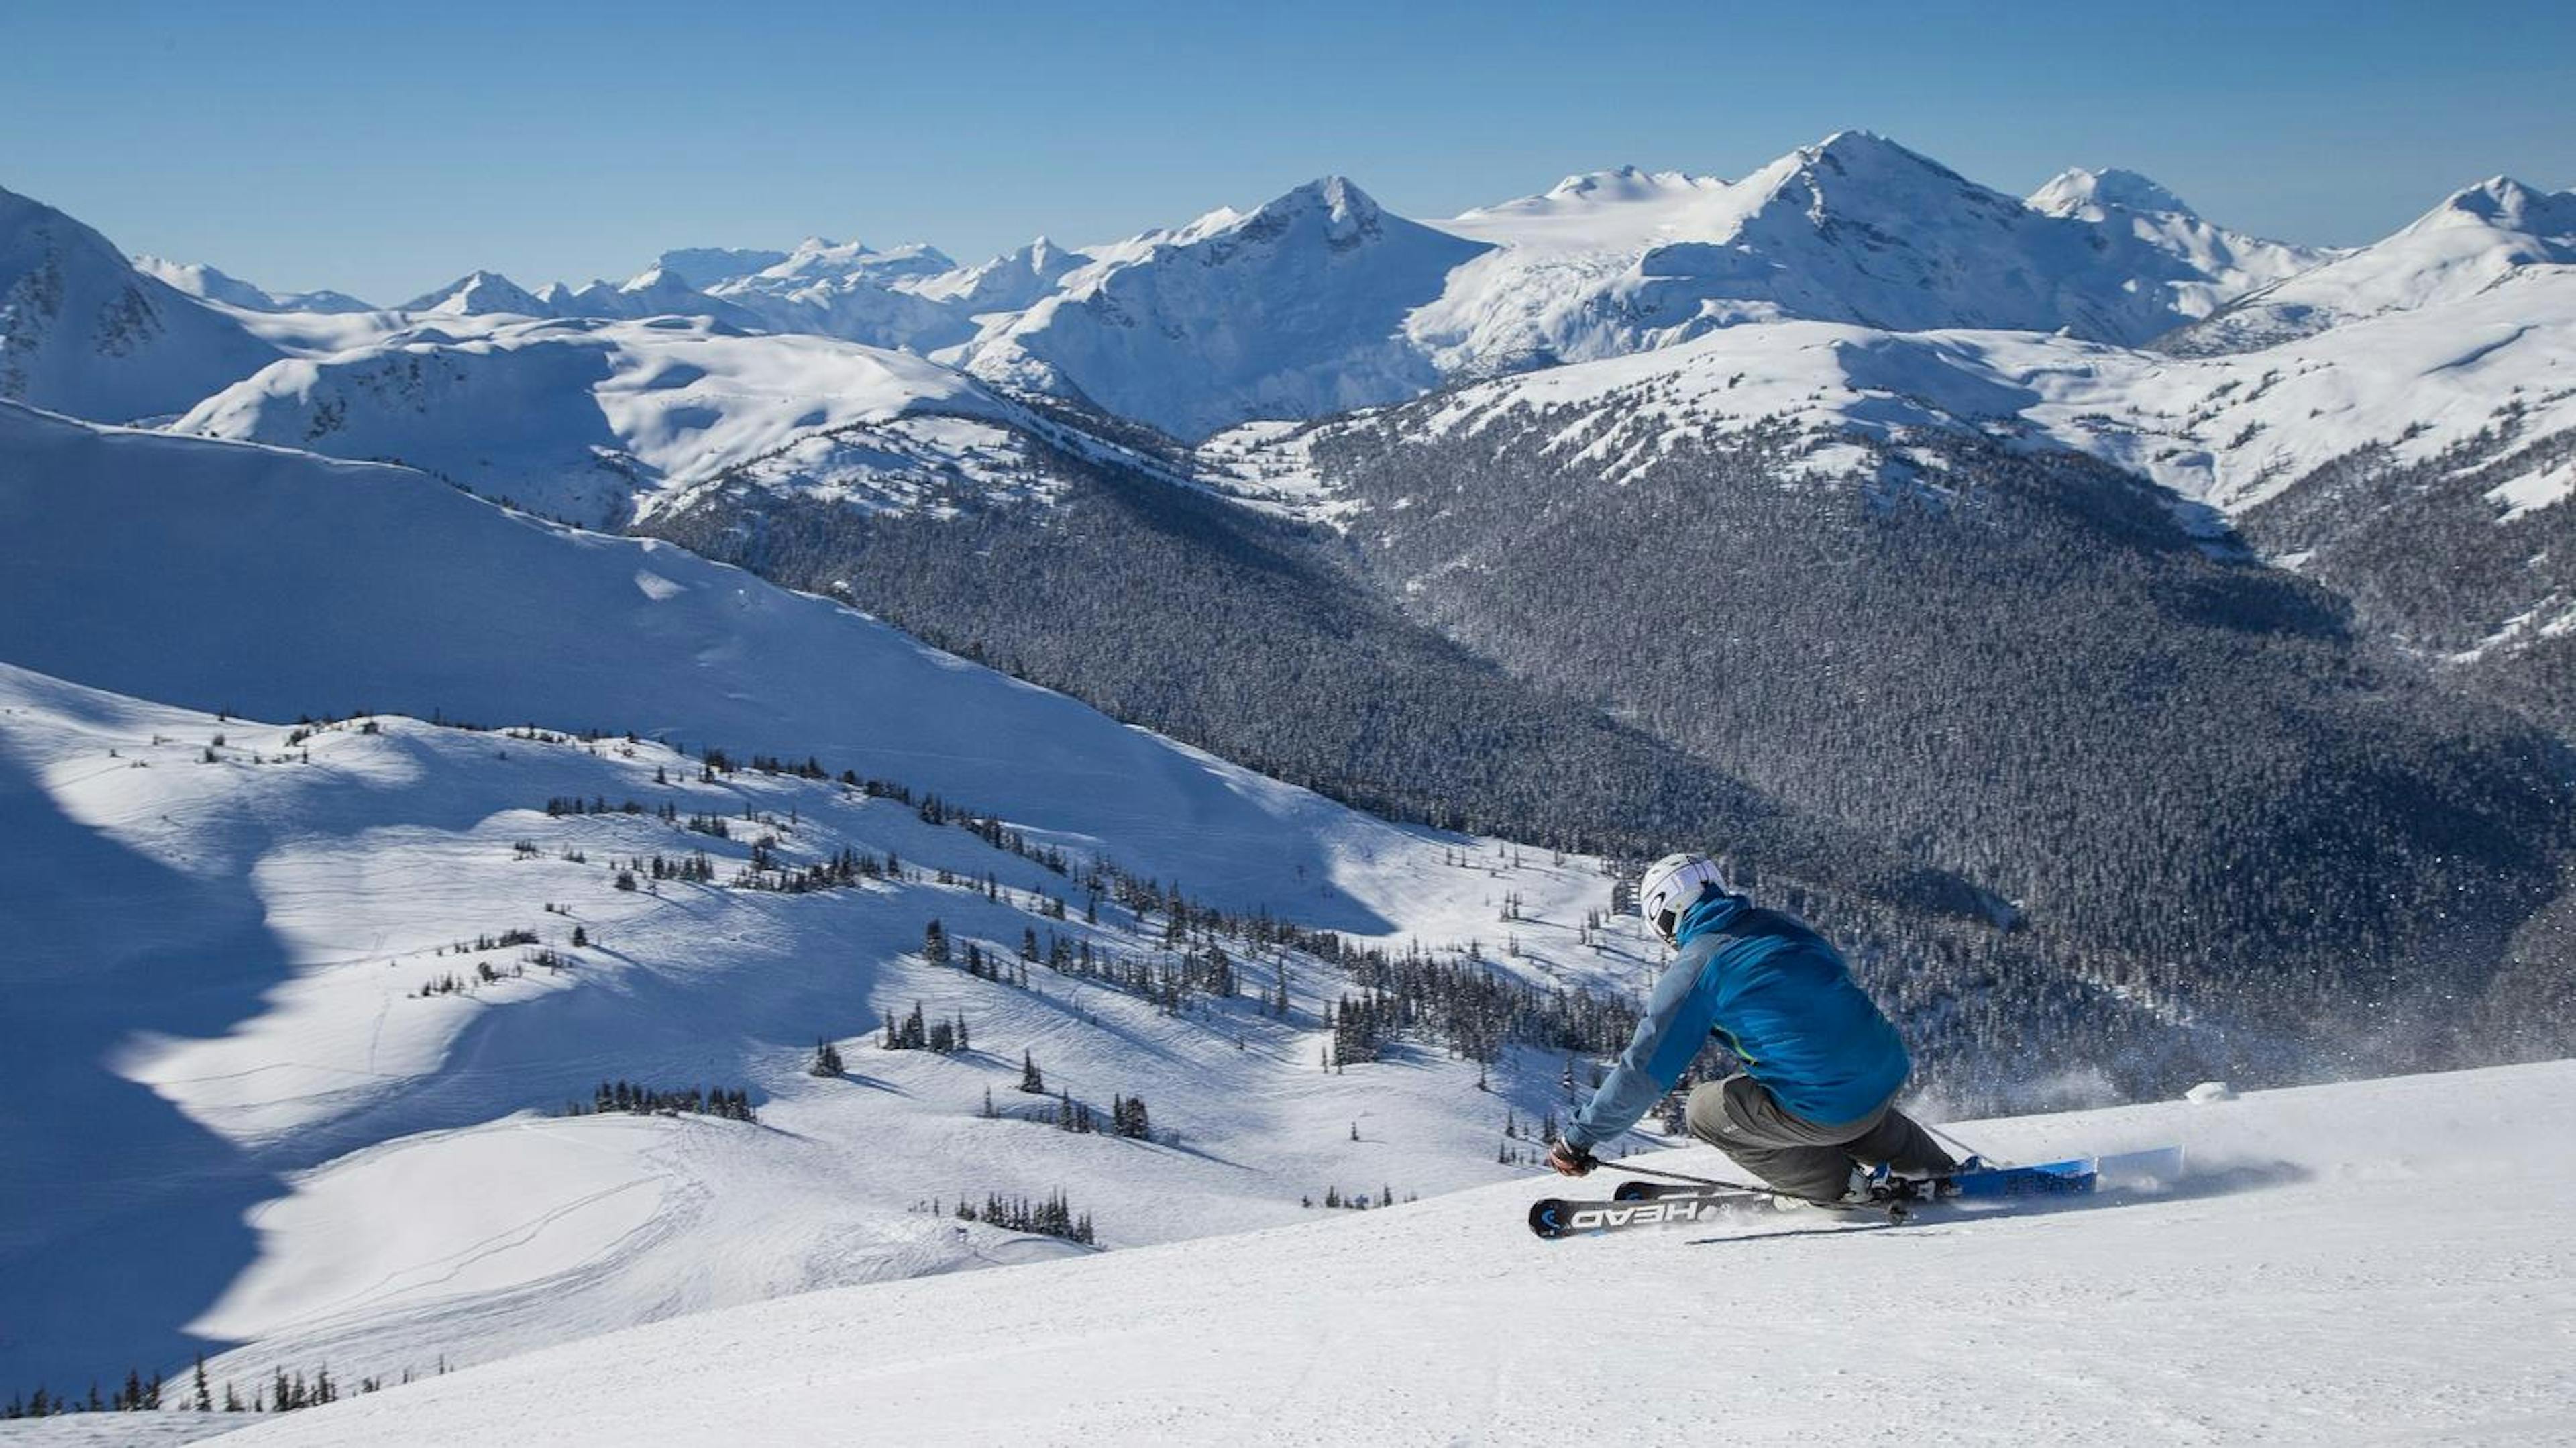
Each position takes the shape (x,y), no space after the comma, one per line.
(1813,1109)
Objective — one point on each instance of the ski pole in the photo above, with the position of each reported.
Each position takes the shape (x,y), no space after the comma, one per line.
(1680,1176)
(1948,1140)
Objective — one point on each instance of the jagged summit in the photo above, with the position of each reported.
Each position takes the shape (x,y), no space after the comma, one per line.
(1867,155)
(1349,213)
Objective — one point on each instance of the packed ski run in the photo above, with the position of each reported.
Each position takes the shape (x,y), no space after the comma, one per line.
(2379,1260)
(457,942)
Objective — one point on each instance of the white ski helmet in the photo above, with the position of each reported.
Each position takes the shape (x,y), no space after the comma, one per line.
(1671,886)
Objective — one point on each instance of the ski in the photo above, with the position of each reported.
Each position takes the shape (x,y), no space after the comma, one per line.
(2158,1167)
(1554,1217)
(1636,1203)
(1641,1204)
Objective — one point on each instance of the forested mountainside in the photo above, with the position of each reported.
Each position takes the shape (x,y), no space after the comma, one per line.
(2021,666)
(1240,632)
(2186,772)
(2457,558)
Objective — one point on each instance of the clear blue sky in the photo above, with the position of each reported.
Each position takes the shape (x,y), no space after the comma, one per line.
(383,148)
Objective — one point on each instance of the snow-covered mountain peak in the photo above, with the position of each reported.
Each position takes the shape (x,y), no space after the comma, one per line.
(1863,174)
(83,331)
(1625,183)
(1349,215)
(204,282)
(2092,195)
(1854,146)
(1006,283)
(1589,209)
(581,418)
(2477,238)
(479,293)
(207,284)
(1295,309)
(817,259)
(656,279)
(2501,203)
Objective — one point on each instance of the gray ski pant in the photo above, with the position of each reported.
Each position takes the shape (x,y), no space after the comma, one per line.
(1740,1117)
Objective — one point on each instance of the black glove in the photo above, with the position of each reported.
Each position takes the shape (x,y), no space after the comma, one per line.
(1573,1161)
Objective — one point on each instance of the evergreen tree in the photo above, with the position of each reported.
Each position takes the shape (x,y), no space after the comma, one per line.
(1031,1079)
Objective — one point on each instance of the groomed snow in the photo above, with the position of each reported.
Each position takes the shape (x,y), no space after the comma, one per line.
(2379,1261)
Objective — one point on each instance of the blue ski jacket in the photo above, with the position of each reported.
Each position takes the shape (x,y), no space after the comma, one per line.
(1780,996)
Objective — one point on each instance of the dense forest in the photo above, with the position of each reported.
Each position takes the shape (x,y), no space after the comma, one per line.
(2435,556)
(2018,666)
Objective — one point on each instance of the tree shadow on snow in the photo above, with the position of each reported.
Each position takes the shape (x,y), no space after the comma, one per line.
(121,1220)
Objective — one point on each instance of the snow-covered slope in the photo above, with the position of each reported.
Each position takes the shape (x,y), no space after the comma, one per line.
(2477,239)
(1854,229)
(1294,310)
(2134,211)
(164,567)
(83,332)
(588,420)
(1007,283)
(855,292)
(2375,1259)
(284,1041)
(2229,431)
(207,284)
(655,292)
